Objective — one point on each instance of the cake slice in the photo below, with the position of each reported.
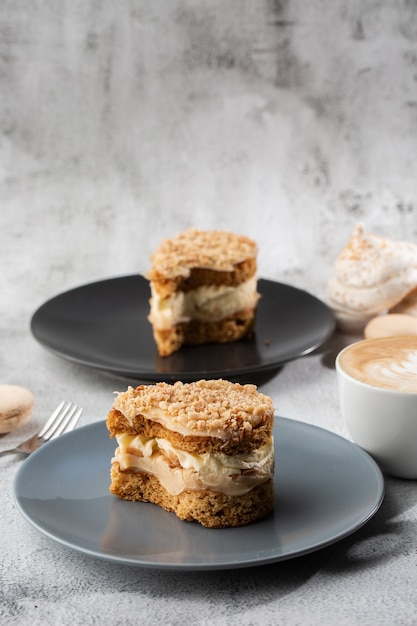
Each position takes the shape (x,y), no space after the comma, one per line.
(203,289)
(203,450)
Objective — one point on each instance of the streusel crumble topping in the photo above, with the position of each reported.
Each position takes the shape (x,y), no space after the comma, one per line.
(194,248)
(204,406)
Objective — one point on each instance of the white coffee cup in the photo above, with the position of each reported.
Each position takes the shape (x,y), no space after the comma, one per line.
(377,383)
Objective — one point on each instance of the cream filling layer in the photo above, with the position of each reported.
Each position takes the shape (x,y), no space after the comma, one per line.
(208,303)
(179,471)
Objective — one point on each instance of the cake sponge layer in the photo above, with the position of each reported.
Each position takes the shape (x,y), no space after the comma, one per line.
(197,332)
(210,509)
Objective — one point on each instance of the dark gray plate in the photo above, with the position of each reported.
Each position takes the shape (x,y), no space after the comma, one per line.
(325,489)
(104,325)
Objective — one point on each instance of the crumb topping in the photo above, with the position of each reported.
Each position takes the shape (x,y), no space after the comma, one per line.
(212,249)
(207,407)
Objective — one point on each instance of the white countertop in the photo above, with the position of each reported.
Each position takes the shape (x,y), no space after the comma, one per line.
(121,126)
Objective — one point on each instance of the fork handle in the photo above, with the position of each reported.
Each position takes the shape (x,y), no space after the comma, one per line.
(13,451)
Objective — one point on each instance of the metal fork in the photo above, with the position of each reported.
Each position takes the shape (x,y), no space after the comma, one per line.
(63,420)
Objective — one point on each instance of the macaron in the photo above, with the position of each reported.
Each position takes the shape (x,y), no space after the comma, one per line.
(16,406)
(391,324)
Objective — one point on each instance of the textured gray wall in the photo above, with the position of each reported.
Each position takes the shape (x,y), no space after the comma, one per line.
(124,122)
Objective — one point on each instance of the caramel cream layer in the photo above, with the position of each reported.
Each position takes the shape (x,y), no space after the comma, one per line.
(178,471)
(207,303)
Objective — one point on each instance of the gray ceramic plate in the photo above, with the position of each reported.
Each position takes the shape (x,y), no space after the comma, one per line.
(326,488)
(104,325)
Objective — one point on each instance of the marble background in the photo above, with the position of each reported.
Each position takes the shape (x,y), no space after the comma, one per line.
(122,122)
(125,122)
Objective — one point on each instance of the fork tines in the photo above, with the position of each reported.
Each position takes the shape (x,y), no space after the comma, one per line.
(65,416)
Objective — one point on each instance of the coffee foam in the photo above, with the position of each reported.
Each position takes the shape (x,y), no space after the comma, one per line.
(387,363)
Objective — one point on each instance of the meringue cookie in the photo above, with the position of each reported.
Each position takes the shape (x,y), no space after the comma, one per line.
(372,275)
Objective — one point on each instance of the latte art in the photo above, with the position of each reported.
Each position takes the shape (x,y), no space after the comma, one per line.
(399,375)
(389,363)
